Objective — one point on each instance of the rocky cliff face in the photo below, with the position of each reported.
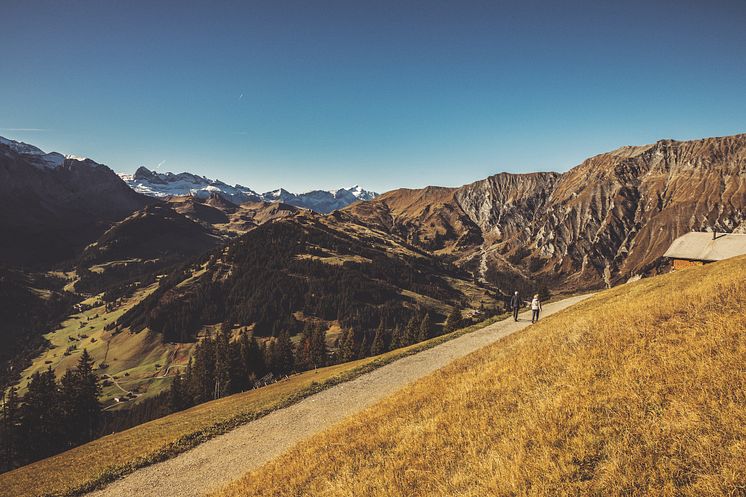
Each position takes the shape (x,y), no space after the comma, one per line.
(605,220)
(614,215)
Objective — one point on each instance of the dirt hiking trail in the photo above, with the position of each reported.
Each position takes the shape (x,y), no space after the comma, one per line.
(227,457)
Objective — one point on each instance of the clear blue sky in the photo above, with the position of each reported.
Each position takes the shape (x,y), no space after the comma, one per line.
(316,94)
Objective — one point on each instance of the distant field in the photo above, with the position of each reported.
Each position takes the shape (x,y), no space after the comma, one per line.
(640,390)
(136,362)
(119,453)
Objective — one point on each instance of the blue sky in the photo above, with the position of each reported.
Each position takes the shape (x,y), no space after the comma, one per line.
(319,94)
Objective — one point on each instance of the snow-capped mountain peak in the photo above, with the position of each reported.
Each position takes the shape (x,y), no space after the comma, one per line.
(361,193)
(157,184)
(35,155)
(167,184)
(77,158)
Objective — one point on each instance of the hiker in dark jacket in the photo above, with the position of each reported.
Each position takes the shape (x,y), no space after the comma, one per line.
(515,304)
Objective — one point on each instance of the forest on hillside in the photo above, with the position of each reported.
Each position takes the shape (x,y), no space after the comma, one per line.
(268,276)
(31,303)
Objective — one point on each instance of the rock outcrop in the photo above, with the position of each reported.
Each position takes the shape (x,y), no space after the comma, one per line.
(604,221)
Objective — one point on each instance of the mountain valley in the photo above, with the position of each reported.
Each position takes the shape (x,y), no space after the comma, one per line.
(150,284)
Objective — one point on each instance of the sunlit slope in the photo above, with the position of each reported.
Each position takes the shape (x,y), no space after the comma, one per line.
(640,390)
(141,363)
(103,460)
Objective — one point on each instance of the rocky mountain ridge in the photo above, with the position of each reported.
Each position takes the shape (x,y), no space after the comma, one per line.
(603,221)
(51,206)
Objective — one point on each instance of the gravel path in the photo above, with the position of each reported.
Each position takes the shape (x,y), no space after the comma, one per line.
(227,457)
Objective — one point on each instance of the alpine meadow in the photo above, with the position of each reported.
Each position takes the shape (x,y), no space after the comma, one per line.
(377,249)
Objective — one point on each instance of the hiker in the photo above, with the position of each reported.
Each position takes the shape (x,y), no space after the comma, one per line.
(535,308)
(515,304)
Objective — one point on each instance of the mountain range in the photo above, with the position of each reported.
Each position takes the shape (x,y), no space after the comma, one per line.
(195,255)
(168,184)
(602,222)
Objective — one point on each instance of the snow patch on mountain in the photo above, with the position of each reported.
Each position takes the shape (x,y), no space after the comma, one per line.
(36,155)
(77,158)
(157,184)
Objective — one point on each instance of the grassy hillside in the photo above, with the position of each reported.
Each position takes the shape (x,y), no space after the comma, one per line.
(640,390)
(104,459)
(136,362)
(28,303)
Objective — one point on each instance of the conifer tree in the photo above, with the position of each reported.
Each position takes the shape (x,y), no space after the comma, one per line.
(204,371)
(189,383)
(378,346)
(41,418)
(80,393)
(268,352)
(425,329)
(454,321)
(397,338)
(318,350)
(363,349)
(239,377)
(255,359)
(247,359)
(303,351)
(176,396)
(411,330)
(284,361)
(222,376)
(9,430)
(347,346)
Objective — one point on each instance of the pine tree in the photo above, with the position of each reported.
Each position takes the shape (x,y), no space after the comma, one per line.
(176,395)
(378,346)
(424,331)
(9,429)
(268,352)
(80,393)
(222,375)
(255,359)
(252,361)
(411,331)
(397,338)
(239,378)
(204,371)
(454,321)
(363,349)
(303,351)
(284,361)
(318,352)
(347,346)
(189,384)
(41,418)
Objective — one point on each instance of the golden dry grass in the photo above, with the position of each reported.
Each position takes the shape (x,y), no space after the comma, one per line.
(641,390)
(102,460)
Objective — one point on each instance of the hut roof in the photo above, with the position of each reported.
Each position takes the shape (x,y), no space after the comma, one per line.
(700,246)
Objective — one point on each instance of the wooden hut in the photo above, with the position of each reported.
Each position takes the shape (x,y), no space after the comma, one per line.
(698,248)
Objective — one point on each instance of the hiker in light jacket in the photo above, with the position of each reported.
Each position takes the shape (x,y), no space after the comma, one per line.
(535,308)
(515,304)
